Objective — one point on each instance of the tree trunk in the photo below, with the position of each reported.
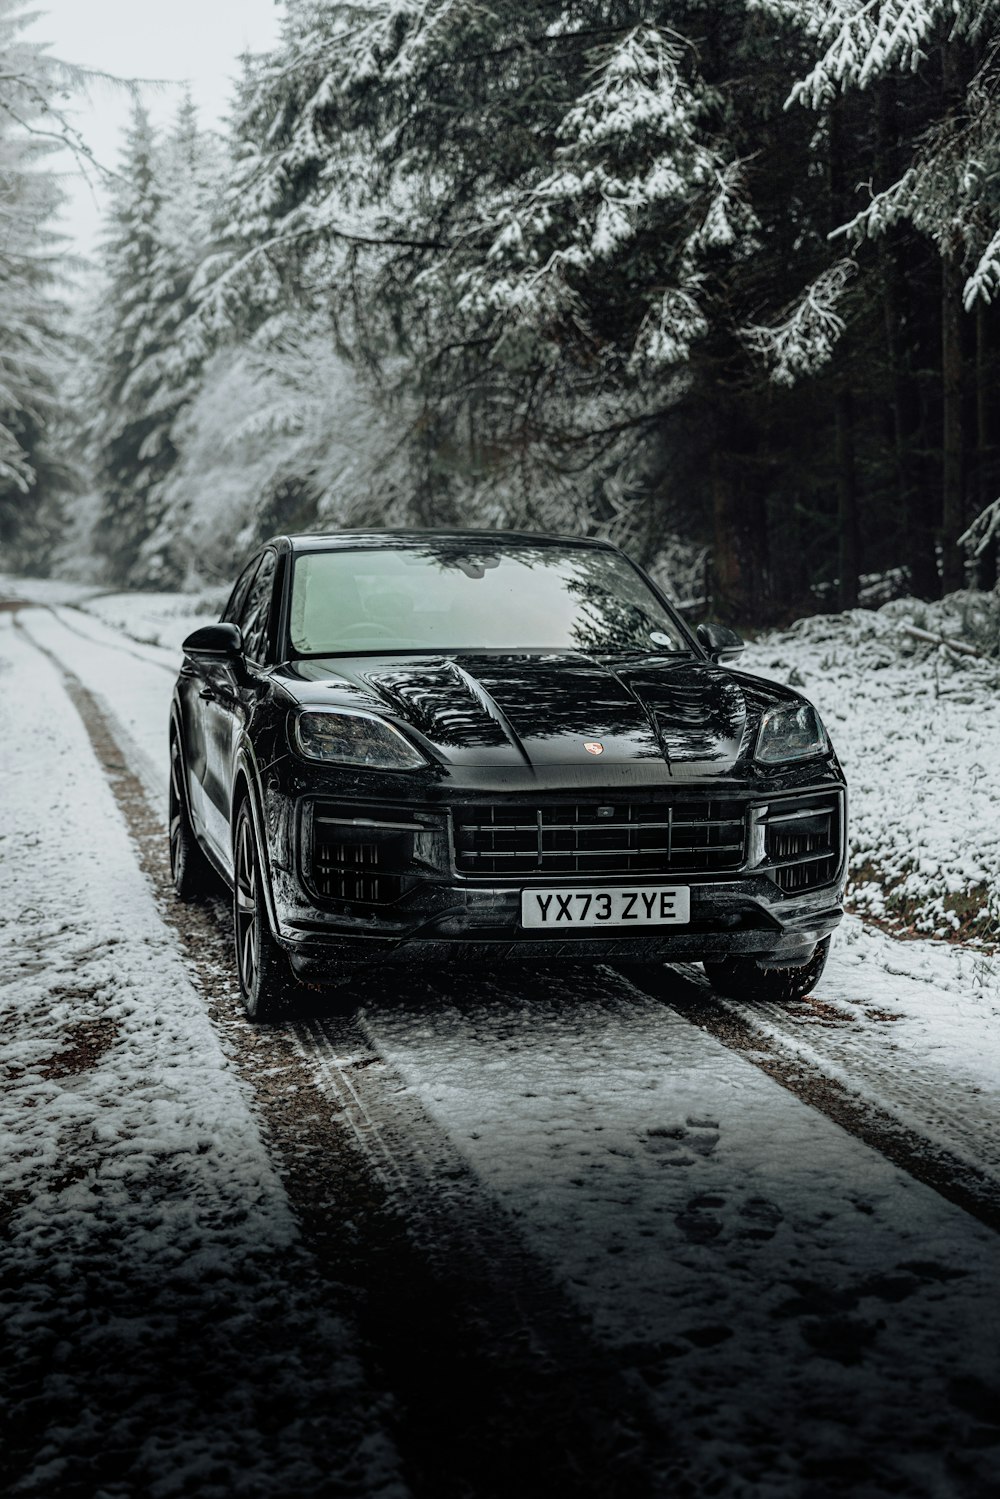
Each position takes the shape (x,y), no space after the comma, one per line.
(739,523)
(848,535)
(915,484)
(917,507)
(952,466)
(848,539)
(953,81)
(727,574)
(986,485)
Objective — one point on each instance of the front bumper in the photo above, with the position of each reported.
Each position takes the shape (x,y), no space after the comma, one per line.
(440,916)
(726,921)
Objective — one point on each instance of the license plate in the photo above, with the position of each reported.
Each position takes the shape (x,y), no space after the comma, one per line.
(647,905)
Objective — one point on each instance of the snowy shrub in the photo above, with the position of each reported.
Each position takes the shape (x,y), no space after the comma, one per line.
(915,725)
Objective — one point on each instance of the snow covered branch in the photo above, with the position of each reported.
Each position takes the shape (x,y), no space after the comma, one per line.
(805,338)
(984,283)
(862,40)
(984,530)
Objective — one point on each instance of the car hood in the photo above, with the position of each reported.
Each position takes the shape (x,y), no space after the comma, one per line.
(543,709)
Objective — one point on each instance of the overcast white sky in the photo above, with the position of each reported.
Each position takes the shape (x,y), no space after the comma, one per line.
(194,40)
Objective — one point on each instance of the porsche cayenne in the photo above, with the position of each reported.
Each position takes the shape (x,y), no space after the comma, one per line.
(408,746)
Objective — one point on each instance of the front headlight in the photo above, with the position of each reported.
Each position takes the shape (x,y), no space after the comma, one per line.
(346,736)
(791,732)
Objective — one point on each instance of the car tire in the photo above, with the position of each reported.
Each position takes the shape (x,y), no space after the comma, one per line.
(747,978)
(267,985)
(190,871)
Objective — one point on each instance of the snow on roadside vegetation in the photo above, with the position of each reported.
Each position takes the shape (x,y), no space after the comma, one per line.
(148,1255)
(916,726)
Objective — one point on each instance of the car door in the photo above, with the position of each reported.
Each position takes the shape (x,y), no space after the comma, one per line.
(231,689)
(197,695)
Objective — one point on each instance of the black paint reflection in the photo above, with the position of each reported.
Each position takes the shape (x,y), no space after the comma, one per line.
(699,712)
(543,707)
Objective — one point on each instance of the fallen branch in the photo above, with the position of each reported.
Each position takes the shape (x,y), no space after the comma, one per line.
(953,645)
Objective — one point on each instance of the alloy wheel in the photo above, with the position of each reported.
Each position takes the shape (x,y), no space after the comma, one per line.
(247,927)
(175,809)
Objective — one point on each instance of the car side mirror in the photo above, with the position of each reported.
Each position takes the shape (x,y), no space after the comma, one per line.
(721,643)
(222,642)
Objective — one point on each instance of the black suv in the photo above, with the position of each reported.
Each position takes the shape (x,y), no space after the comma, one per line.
(406,745)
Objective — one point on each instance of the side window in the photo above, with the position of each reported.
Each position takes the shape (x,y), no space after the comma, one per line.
(231,613)
(256,611)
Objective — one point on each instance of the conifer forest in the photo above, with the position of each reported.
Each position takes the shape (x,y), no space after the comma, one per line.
(715,280)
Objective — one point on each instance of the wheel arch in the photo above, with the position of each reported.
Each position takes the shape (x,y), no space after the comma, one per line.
(246,788)
(176,731)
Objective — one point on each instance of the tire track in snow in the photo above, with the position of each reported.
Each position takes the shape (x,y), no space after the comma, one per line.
(149,1221)
(497,1387)
(136,649)
(825,1033)
(953,1178)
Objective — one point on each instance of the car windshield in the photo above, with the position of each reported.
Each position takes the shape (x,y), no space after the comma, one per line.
(447,597)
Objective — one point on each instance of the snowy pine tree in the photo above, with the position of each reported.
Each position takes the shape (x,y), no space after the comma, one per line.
(949,187)
(32,347)
(191,170)
(129,442)
(577,267)
(527,220)
(634,179)
(146,349)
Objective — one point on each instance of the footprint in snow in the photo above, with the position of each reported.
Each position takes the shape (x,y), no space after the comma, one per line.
(761,1218)
(675,1145)
(698,1222)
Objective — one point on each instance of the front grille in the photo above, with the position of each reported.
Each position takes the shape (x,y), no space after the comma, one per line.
(597,838)
(802,842)
(359,854)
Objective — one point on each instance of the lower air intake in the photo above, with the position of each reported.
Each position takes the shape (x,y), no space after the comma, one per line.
(802,841)
(361,859)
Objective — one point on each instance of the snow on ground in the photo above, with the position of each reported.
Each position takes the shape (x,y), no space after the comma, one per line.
(157,619)
(916,727)
(132,679)
(45,590)
(149,1257)
(803,1314)
(789,1297)
(162,619)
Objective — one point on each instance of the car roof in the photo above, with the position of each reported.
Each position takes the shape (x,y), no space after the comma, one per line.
(330,541)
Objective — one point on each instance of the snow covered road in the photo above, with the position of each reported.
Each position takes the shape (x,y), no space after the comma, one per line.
(149,1252)
(753,1300)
